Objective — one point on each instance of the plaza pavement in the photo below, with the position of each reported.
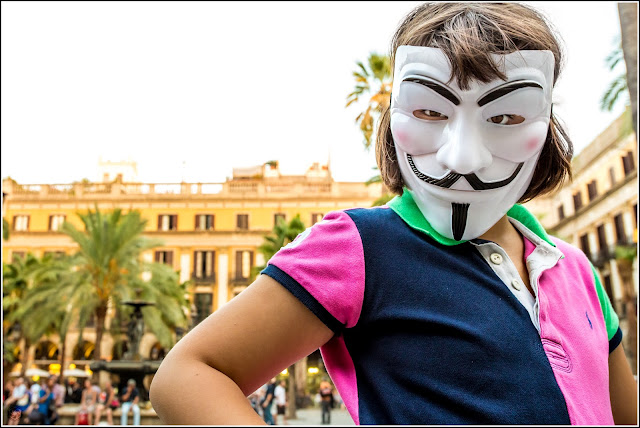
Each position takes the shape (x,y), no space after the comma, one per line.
(313,416)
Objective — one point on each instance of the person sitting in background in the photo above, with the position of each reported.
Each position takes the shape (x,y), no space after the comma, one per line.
(88,401)
(130,399)
(107,402)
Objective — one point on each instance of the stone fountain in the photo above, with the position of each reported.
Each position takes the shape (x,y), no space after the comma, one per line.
(131,366)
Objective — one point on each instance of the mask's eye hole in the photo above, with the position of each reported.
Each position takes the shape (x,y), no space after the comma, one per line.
(506,119)
(429,115)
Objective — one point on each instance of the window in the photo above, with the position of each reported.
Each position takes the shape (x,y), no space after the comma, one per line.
(607,286)
(561,212)
(242,221)
(627,163)
(204,305)
(205,222)
(612,176)
(277,217)
(621,237)
(55,222)
(167,222)
(16,254)
(20,223)
(584,244)
(165,257)
(244,264)
(316,217)
(54,254)
(577,201)
(203,265)
(592,188)
(635,215)
(602,238)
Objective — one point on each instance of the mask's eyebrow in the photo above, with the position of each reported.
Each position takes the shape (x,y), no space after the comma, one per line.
(508,88)
(434,86)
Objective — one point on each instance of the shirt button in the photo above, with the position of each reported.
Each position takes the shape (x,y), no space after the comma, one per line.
(496,258)
(516,284)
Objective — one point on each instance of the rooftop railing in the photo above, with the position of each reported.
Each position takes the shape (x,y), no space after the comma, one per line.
(229,188)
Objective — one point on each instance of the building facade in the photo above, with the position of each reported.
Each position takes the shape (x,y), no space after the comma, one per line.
(211,231)
(598,211)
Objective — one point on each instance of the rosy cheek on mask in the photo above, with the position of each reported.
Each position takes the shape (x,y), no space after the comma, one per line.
(533,145)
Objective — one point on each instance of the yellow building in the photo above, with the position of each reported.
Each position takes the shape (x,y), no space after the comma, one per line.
(597,211)
(211,231)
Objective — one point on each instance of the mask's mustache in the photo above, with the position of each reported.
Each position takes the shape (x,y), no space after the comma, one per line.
(449,179)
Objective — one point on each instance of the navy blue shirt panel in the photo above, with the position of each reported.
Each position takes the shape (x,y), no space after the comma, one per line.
(440,339)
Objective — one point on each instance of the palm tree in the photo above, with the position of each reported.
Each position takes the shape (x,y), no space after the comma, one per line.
(109,271)
(281,235)
(43,309)
(625,255)
(17,279)
(5,229)
(374,79)
(618,86)
(628,13)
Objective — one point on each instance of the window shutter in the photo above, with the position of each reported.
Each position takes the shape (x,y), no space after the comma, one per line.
(197,221)
(213,222)
(159,222)
(157,256)
(50,221)
(174,222)
(169,259)
(602,240)
(195,263)
(238,264)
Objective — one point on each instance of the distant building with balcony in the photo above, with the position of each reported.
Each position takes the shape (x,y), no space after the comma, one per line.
(211,231)
(598,211)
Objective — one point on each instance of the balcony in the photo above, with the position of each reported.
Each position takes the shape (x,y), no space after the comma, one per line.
(199,280)
(603,256)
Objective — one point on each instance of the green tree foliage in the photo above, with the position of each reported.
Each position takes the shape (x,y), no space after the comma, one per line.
(283,233)
(372,79)
(22,280)
(617,89)
(5,229)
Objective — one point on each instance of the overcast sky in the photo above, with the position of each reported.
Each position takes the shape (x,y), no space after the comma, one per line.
(190,90)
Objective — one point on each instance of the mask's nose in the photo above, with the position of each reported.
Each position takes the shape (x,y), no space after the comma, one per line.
(463,151)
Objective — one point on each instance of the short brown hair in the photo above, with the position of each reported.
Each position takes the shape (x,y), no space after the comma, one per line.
(468,33)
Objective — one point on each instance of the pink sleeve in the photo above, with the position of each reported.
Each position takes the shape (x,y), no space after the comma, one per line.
(327,261)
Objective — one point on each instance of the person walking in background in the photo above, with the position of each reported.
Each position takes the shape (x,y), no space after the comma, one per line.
(326,400)
(130,399)
(268,401)
(280,394)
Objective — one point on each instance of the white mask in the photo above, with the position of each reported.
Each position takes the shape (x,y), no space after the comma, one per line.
(468,156)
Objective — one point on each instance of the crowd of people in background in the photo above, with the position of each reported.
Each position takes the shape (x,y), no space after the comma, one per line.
(270,401)
(30,402)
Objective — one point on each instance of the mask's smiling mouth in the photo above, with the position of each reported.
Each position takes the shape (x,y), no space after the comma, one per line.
(448,180)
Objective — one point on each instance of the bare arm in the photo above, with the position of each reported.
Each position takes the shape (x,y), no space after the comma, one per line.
(622,389)
(206,377)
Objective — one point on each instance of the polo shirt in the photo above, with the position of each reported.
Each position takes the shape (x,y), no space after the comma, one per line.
(427,332)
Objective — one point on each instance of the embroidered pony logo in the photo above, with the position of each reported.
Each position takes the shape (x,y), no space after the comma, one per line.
(590,325)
